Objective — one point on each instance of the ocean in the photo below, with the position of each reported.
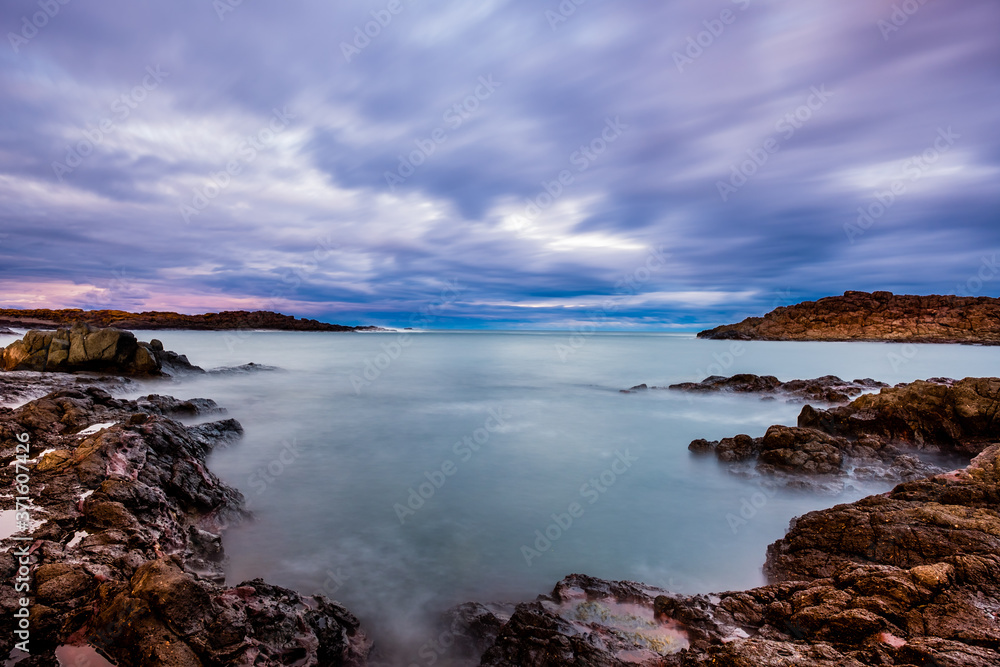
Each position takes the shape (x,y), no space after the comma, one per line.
(401,473)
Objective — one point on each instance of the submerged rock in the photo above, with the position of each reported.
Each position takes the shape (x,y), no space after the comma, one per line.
(826,389)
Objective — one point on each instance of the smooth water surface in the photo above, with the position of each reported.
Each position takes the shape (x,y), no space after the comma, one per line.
(422,484)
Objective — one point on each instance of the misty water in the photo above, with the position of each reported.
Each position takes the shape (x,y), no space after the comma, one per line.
(505,430)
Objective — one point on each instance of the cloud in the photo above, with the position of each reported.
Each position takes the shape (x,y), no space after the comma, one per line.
(470,143)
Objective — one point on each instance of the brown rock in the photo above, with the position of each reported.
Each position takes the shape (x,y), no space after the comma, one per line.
(880,316)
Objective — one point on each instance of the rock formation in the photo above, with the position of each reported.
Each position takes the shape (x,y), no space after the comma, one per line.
(826,389)
(19,386)
(126,553)
(83,348)
(877,435)
(880,316)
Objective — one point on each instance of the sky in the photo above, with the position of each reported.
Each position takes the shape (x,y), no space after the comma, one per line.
(506,164)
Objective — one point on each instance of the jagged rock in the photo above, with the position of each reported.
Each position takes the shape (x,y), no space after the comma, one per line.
(879,316)
(800,450)
(876,435)
(472,628)
(587,621)
(17,386)
(244,369)
(170,406)
(739,448)
(826,389)
(960,417)
(129,557)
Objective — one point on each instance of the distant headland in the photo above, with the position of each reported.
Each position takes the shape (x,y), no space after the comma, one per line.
(225,321)
(879,316)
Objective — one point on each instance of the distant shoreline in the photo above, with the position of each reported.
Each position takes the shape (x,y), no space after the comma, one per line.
(166,321)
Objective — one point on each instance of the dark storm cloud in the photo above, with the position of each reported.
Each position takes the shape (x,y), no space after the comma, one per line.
(750,140)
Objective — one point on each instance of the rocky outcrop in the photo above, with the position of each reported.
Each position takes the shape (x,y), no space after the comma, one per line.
(4,331)
(936,415)
(879,316)
(910,578)
(119,319)
(126,543)
(83,348)
(826,389)
(877,435)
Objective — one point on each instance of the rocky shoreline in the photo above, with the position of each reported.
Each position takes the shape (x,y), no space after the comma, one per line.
(126,553)
(154,320)
(127,523)
(909,578)
(879,316)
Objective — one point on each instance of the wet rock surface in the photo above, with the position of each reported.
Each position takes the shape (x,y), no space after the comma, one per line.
(84,348)
(127,548)
(826,389)
(879,316)
(19,386)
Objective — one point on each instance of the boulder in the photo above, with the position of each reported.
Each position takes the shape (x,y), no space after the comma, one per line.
(800,450)
(83,348)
